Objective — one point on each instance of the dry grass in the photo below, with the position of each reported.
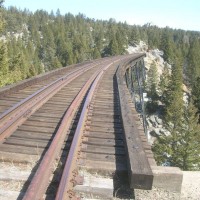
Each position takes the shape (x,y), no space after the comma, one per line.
(10,170)
(93,173)
(11,185)
(17,165)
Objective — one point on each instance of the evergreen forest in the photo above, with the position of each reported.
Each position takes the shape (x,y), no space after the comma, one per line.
(34,43)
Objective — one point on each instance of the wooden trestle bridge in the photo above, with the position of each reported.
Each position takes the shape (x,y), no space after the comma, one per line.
(81,117)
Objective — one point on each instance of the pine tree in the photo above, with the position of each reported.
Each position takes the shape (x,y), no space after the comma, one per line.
(121,41)
(69,58)
(1,17)
(168,144)
(151,86)
(96,53)
(167,46)
(196,95)
(174,102)
(153,37)
(181,148)
(189,144)
(56,63)
(98,38)
(134,36)
(193,68)
(152,81)
(164,81)
(16,68)
(113,47)
(4,68)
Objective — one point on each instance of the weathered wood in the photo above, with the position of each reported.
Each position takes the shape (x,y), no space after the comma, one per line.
(104,150)
(97,134)
(106,120)
(106,142)
(169,178)
(104,157)
(37,129)
(105,114)
(21,149)
(103,168)
(31,135)
(106,130)
(101,187)
(36,79)
(18,157)
(113,123)
(140,173)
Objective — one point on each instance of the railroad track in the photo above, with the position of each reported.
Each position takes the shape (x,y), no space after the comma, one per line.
(60,129)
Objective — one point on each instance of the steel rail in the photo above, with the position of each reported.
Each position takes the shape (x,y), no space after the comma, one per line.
(7,112)
(16,115)
(68,176)
(17,105)
(40,180)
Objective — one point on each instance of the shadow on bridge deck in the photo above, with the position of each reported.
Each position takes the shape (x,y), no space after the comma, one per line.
(120,178)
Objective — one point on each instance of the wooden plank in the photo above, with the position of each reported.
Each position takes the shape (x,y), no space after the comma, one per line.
(105,120)
(51,111)
(93,186)
(36,80)
(104,157)
(46,115)
(52,108)
(105,110)
(103,168)
(110,107)
(44,119)
(140,173)
(104,150)
(98,134)
(21,149)
(169,178)
(31,135)
(27,143)
(18,157)
(34,128)
(105,129)
(105,114)
(31,122)
(106,124)
(103,101)
(106,142)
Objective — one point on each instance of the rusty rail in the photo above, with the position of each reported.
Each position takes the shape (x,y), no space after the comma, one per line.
(16,115)
(40,180)
(68,176)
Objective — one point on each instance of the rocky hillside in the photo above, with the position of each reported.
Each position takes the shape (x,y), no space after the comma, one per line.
(154,121)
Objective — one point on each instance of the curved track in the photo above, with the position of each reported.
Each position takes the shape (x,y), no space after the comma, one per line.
(60,126)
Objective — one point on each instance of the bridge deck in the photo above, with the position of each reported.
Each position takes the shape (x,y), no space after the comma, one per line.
(113,142)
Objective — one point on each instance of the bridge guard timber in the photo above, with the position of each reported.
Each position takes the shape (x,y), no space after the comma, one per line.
(140,173)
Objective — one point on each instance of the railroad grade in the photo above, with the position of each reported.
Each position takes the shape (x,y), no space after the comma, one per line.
(76,136)
(26,88)
(70,127)
(103,151)
(104,134)
(32,138)
(11,99)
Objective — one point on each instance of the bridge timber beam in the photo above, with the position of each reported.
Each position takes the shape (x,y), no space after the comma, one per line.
(143,170)
(140,173)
